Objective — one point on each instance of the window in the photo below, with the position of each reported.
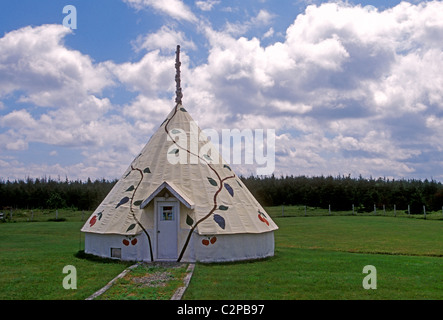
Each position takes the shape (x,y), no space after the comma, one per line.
(116,253)
(167,213)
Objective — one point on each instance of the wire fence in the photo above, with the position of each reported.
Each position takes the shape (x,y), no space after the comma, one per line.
(306,211)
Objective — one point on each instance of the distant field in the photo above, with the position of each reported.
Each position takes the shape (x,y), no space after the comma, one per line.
(44,215)
(316,257)
(301,211)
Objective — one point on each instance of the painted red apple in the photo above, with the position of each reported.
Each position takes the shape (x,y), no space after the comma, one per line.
(262,218)
(92,221)
(213,239)
(134,241)
(205,242)
(126,242)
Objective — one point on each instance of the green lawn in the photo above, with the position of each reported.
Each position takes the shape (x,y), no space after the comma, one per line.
(323,258)
(316,257)
(32,258)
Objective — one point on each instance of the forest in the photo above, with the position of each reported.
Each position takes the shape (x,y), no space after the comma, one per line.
(339,192)
(48,193)
(342,192)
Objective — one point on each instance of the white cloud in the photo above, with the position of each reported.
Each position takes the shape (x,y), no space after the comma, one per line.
(268,33)
(165,39)
(350,89)
(263,18)
(345,70)
(173,8)
(34,60)
(152,74)
(61,90)
(206,5)
(18,119)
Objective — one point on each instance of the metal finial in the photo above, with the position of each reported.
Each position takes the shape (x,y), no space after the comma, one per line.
(178,92)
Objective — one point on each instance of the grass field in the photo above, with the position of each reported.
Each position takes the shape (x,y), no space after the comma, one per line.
(32,258)
(316,257)
(323,258)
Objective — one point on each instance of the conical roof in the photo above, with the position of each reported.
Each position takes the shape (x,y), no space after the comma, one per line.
(179,157)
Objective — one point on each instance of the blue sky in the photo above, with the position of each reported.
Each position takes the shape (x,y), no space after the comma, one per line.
(350,87)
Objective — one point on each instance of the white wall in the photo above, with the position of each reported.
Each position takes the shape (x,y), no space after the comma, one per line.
(225,248)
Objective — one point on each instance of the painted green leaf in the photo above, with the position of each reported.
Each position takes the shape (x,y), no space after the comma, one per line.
(132,226)
(173,151)
(212,181)
(130,188)
(189,221)
(207,157)
(147,170)
(138,202)
(239,183)
(175,131)
(220,221)
(228,167)
(222,207)
(183,109)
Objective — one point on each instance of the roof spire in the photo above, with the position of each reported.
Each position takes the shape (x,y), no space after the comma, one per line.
(178,92)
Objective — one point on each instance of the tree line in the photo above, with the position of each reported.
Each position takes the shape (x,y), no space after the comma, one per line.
(340,192)
(48,193)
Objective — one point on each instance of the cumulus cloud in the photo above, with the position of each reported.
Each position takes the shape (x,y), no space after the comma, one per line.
(366,81)
(350,89)
(263,18)
(165,39)
(206,5)
(173,8)
(151,75)
(57,94)
(35,60)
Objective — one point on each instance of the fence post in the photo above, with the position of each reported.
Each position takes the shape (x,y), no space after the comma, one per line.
(384,210)
(32,215)
(353,209)
(424,211)
(329,209)
(409,209)
(282,210)
(56,214)
(305,211)
(10,214)
(375,210)
(395,210)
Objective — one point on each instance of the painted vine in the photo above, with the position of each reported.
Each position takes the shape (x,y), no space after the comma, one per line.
(217,218)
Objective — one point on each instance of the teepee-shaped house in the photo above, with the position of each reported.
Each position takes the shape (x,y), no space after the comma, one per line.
(179,201)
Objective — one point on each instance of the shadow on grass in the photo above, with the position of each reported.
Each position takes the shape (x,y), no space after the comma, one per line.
(239,262)
(81,254)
